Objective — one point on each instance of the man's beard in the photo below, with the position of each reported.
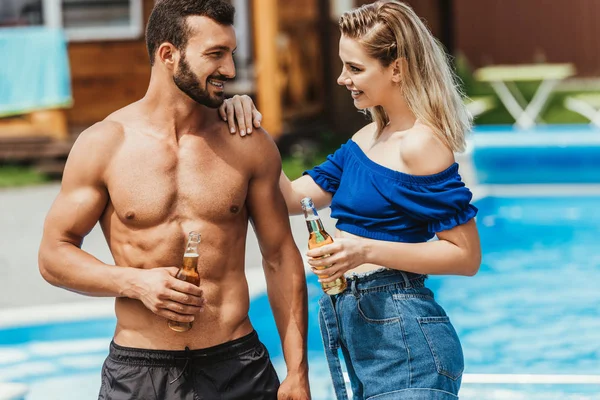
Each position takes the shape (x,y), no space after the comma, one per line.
(189,84)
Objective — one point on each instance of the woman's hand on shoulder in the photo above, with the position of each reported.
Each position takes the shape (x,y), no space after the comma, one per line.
(423,153)
(341,256)
(241,114)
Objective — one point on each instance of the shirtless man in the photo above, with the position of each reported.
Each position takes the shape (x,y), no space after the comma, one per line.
(154,171)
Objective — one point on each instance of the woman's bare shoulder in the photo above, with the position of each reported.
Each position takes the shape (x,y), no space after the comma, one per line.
(423,153)
(365,135)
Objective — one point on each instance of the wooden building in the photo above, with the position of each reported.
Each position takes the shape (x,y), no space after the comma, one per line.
(287,55)
(107,75)
(292,64)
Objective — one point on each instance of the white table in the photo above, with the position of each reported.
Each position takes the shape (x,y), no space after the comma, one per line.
(12,391)
(586,104)
(503,80)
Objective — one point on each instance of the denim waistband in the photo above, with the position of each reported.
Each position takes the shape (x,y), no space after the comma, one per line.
(384,277)
(167,358)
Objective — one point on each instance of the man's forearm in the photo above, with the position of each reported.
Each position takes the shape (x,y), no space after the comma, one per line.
(67,266)
(286,287)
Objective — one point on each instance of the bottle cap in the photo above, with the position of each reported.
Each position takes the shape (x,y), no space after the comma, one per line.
(307,202)
(195,236)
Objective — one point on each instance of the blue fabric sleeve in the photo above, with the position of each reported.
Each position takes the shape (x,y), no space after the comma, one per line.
(442,205)
(329,173)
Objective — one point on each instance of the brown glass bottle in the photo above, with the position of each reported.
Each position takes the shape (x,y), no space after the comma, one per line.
(319,237)
(189,273)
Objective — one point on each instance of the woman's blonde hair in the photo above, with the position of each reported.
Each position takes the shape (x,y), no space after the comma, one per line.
(389,30)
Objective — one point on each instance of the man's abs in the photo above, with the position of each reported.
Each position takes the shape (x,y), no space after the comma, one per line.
(224,318)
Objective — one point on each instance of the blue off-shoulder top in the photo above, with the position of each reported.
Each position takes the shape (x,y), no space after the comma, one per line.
(376,202)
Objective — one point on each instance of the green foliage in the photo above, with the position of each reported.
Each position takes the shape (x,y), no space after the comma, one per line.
(295,166)
(308,152)
(11,176)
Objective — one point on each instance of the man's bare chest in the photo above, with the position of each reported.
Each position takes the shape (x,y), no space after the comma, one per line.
(149,189)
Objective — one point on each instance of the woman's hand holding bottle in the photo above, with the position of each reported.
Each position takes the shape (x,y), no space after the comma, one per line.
(341,256)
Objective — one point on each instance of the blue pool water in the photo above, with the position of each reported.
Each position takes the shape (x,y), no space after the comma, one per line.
(532,309)
(545,154)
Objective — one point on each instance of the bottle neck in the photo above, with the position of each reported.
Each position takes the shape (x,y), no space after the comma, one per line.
(191,247)
(315,225)
(191,250)
(191,255)
(313,222)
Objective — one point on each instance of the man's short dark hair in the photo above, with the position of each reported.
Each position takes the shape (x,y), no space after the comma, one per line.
(167,21)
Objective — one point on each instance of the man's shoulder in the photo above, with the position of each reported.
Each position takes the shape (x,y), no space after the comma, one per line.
(256,144)
(262,137)
(96,145)
(259,147)
(266,147)
(91,153)
(104,133)
(258,152)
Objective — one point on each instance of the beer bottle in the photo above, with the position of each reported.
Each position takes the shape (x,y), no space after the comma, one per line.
(189,273)
(319,237)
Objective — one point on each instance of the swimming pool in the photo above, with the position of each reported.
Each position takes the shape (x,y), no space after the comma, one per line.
(547,154)
(532,309)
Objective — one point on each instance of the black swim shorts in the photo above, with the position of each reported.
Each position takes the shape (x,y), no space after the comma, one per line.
(236,370)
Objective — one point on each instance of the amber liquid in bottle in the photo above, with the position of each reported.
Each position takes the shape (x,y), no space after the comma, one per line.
(189,273)
(319,237)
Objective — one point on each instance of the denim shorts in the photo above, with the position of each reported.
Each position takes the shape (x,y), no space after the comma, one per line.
(397,342)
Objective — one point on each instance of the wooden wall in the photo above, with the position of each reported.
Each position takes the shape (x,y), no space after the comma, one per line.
(300,58)
(107,76)
(517,31)
(430,11)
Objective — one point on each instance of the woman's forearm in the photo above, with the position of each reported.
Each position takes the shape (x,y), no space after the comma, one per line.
(296,190)
(439,257)
(292,199)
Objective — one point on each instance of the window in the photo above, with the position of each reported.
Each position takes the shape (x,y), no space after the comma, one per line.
(100,19)
(21,13)
(82,20)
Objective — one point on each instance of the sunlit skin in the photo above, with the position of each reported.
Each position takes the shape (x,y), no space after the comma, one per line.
(366,79)
(405,145)
(213,58)
(157,169)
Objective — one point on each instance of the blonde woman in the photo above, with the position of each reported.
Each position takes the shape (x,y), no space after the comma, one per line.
(392,187)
